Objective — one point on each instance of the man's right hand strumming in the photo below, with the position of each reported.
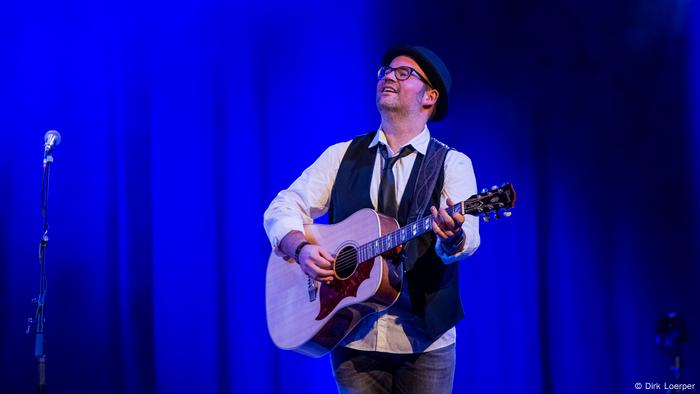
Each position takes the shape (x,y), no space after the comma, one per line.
(314,260)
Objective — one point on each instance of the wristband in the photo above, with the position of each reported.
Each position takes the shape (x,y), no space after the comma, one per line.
(298,250)
(451,246)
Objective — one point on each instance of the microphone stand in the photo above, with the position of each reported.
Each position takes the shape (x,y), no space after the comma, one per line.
(38,319)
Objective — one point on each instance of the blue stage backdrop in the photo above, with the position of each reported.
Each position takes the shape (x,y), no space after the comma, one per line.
(181,121)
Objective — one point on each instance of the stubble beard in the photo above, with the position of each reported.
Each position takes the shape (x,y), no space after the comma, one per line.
(391,109)
(394,109)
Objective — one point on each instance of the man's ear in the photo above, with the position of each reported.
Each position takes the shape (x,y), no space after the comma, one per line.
(430,97)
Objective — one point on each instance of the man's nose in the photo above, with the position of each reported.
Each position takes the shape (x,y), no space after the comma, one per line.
(391,74)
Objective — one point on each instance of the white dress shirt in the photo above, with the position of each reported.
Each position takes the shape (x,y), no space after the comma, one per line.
(309,197)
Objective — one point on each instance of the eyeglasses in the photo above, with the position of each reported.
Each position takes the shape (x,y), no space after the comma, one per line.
(402,73)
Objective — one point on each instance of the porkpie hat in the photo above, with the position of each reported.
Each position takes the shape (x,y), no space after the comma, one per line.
(434,69)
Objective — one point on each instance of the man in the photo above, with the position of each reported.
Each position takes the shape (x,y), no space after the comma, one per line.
(410,347)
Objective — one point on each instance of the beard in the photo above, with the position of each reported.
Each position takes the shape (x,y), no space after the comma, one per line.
(392,107)
(398,105)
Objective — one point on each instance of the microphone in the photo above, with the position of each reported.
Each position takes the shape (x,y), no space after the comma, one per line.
(51,139)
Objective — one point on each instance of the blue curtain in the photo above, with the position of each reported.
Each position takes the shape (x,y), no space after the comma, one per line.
(181,122)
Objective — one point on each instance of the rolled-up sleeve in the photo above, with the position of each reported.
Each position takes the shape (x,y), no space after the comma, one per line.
(459,185)
(306,199)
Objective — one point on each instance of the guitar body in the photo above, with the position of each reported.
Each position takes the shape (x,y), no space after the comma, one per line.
(311,317)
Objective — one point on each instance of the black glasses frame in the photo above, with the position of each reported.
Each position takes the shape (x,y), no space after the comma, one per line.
(401,73)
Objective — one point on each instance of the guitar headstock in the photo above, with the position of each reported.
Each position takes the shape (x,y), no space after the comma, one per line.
(496,201)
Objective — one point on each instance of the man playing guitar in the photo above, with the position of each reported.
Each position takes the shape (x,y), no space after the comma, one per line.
(409,346)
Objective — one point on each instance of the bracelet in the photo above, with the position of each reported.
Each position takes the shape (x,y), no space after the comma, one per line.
(298,250)
(450,246)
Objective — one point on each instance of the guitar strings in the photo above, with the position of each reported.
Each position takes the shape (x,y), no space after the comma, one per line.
(348,260)
(345,263)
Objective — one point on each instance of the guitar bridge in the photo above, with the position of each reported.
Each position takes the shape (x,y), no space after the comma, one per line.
(313,289)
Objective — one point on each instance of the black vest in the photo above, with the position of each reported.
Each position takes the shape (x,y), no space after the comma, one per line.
(432,285)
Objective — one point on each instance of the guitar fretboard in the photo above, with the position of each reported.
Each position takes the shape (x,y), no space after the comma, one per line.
(483,203)
(410,231)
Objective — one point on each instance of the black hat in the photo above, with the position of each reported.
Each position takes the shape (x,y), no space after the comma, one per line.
(434,69)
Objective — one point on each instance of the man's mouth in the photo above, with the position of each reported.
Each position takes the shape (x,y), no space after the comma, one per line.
(388,89)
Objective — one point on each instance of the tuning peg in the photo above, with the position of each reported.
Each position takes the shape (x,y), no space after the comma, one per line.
(484,190)
(507,213)
(494,187)
(486,218)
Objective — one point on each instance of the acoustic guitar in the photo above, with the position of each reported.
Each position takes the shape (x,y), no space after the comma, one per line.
(311,317)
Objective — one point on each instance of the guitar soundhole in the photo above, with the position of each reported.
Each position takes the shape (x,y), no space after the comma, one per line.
(346,262)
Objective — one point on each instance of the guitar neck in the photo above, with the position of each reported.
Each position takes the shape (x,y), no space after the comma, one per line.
(488,201)
(404,234)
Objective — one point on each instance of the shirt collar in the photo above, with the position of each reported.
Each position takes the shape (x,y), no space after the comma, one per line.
(419,142)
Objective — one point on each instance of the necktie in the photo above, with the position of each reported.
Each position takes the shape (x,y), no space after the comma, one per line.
(387,188)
